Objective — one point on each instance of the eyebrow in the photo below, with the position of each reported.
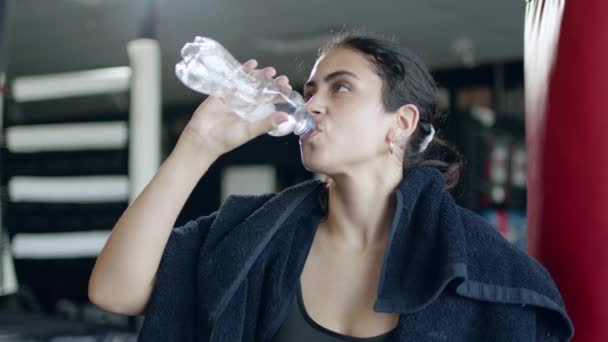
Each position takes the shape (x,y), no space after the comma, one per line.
(330,77)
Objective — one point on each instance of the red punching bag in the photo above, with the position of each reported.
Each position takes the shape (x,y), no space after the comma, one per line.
(566,57)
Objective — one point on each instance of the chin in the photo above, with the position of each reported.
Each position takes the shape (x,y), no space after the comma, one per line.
(316,161)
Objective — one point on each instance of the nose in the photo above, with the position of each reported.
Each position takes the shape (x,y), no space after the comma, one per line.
(315,106)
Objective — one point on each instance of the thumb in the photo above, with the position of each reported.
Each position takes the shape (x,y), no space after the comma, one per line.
(269,123)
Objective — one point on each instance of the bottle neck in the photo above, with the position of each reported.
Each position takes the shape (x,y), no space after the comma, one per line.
(304,126)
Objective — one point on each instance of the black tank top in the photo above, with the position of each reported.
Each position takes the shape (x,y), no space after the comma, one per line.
(299,327)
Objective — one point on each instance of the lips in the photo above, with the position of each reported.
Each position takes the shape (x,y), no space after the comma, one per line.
(308,135)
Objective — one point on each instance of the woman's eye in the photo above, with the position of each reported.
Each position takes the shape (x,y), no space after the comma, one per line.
(340,88)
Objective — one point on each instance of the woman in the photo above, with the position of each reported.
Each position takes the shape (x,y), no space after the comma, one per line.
(378,253)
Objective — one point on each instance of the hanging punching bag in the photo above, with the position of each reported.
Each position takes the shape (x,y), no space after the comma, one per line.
(567,141)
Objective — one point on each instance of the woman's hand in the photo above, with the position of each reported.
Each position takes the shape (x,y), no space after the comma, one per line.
(218,129)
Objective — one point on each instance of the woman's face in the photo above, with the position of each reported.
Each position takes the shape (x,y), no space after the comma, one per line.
(344,95)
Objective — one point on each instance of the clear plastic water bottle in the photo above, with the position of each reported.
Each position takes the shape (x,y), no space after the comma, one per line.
(208,68)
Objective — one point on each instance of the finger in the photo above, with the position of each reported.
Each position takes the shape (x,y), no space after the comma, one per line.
(250,64)
(269,72)
(285,90)
(282,80)
(268,124)
(283,83)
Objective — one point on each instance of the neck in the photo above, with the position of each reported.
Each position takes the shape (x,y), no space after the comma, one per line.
(361,209)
